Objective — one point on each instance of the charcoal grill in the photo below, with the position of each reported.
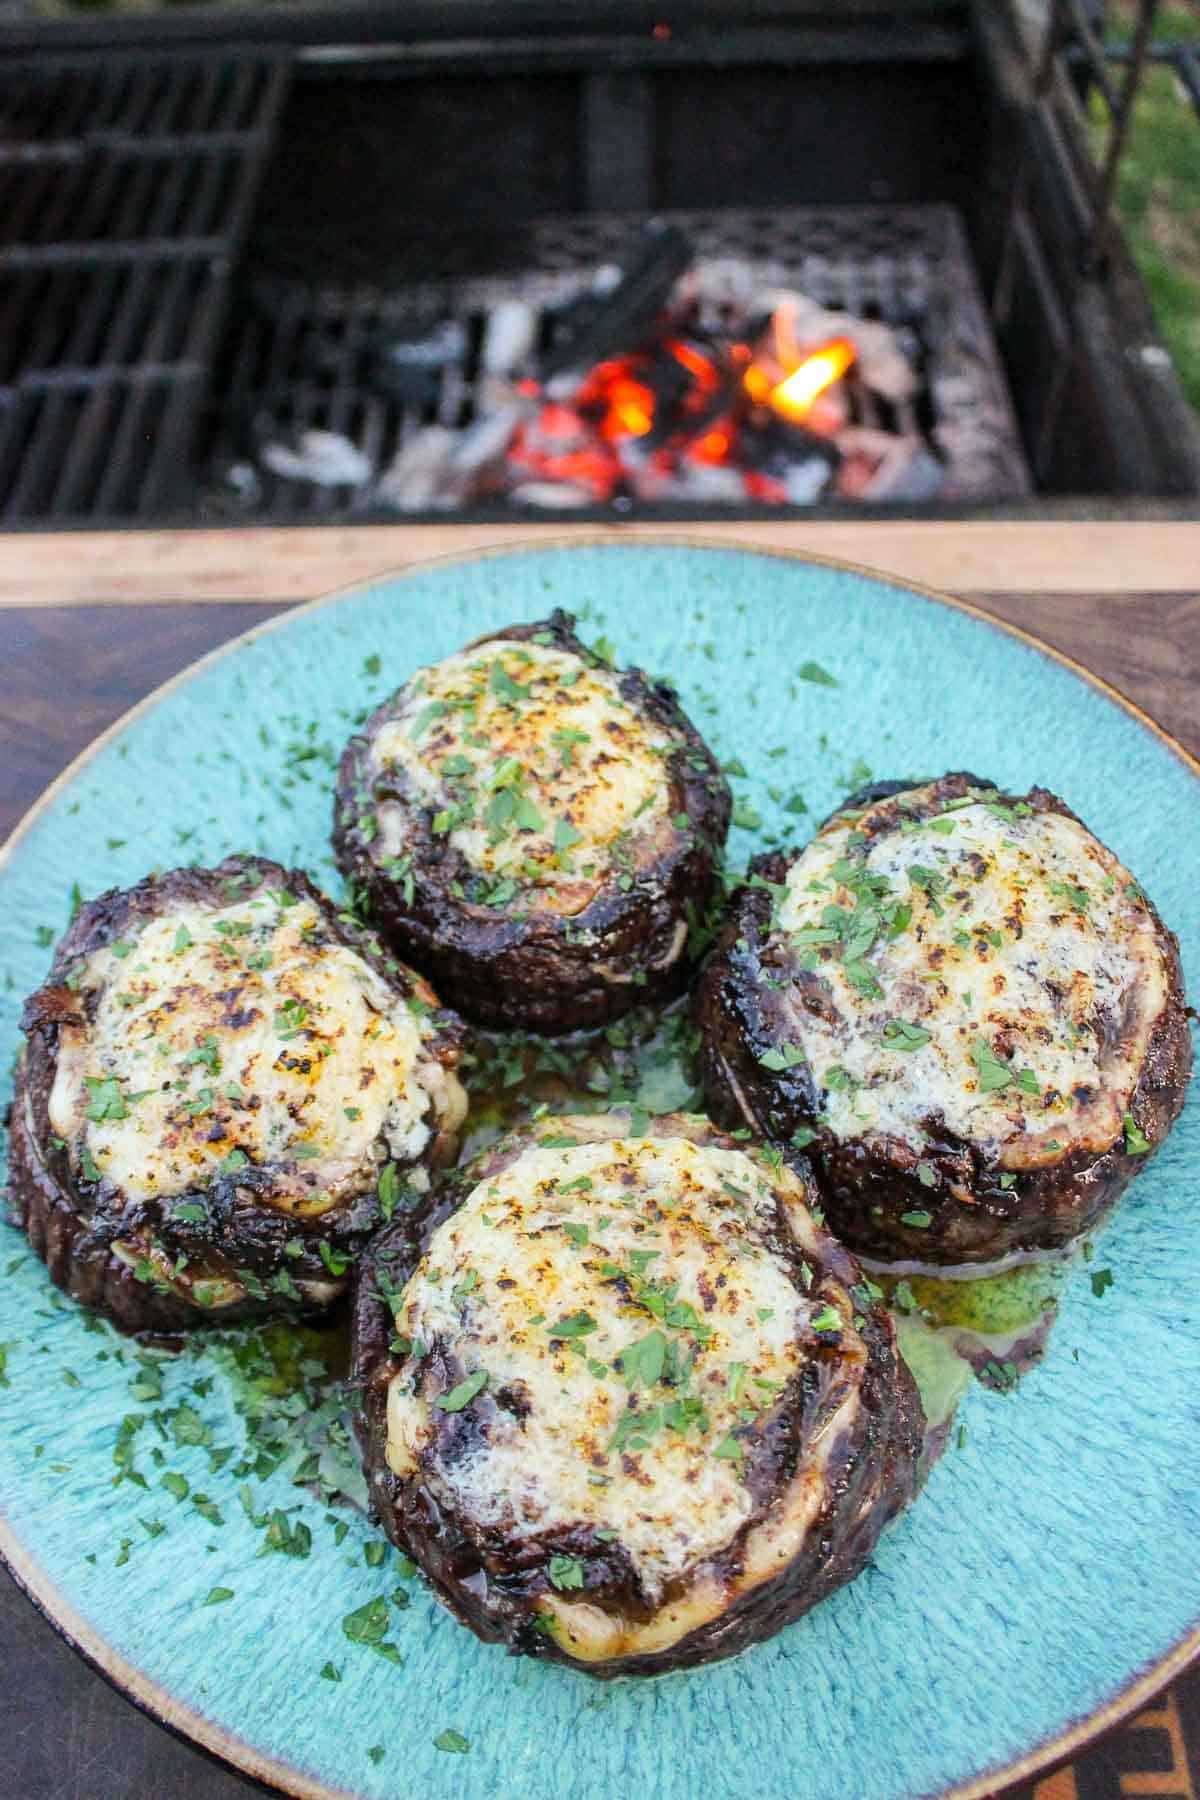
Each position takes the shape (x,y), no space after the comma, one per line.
(191,236)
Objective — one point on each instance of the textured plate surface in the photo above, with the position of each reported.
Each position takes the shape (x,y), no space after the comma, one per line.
(1051,1560)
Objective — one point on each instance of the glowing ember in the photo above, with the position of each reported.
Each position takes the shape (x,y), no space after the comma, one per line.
(793,397)
(717,401)
(621,403)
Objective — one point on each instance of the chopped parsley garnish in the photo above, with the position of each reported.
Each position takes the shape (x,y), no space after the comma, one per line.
(827,1319)
(207,1053)
(1102,1280)
(503,685)
(464,1393)
(920,1221)
(995,1074)
(812,671)
(1078,896)
(901,1034)
(290,1017)
(565,1572)
(368,1623)
(452,1741)
(1136,1142)
(781,1056)
(107,1100)
(573,1325)
(389,1190)
(337,1265)
(641,1363)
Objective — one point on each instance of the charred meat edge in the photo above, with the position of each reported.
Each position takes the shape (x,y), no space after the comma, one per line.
(868,1188)
(492,1585)
(543,972)
(73,1223)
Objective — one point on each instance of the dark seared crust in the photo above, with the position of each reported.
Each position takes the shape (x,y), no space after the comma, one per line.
(72,1222)
(538,970)
(868,1189)
(491,1584)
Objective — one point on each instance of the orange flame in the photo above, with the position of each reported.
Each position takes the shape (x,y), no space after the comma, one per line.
(795,394)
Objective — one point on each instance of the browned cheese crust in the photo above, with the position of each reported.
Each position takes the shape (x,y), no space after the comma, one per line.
(192,1122)
(964,1008)
(632,1419)
(542,836)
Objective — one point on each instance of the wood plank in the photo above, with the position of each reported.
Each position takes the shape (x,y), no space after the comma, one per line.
(274,564)
(1146,645)
(67,673)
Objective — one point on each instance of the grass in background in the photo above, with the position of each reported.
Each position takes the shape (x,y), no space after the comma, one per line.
(1158,190)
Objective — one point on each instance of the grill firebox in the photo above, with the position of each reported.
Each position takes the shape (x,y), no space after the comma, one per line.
(301,357)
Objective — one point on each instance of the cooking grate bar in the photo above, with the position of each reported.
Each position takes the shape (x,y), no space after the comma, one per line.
(125,187)
(52,256)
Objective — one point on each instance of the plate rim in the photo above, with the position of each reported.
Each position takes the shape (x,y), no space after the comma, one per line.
(191,1725)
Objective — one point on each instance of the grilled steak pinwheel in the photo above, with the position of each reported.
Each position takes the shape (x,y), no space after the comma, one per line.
(534,829)
(625,1401)
(226,1085)
(967,1009)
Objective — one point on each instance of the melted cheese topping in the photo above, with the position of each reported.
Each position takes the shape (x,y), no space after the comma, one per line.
(1030,969)
(533,763)
(657,1243)
(223,1038)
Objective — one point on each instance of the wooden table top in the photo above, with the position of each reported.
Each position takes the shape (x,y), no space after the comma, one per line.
(90,622)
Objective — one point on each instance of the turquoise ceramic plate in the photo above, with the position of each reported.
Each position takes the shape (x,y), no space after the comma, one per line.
(1048,1576)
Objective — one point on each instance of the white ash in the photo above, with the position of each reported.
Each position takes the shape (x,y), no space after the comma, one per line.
(326,458)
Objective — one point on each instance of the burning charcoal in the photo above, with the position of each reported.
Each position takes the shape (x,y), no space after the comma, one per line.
(558,444)
(422,475)
(325,458)
(408,364)
(793,464)
(605,325)
(799,326)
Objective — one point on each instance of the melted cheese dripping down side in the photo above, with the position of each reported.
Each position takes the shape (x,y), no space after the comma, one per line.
(548,783)
(235,1034)
(537,1244)
(1025,934)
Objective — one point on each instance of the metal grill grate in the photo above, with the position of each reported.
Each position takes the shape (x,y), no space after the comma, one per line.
(299,356)
(125,186)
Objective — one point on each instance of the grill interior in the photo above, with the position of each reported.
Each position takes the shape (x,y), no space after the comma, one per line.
(300,355)
(125,188)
